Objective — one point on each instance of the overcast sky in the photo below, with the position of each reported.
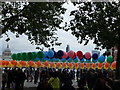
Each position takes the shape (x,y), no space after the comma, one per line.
(21,44)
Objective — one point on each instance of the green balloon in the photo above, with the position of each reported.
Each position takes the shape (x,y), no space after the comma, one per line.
(100,61)
(24,56)
(30,56)
(109,59)
(40,54)
(14,56)
(70,60)
(75,61)
(43,60)
(64,60)
(19,56)
(34,54)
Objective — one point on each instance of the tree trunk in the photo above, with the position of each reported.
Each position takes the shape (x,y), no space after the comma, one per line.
(118,61)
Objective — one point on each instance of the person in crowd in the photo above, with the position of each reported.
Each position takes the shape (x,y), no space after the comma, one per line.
(82,85)
(77,74)
(101,83)
(4,79)
(44,84)
(36,76)
(67,85)
(19,79)
(42,75)
(54,81)
(10,78)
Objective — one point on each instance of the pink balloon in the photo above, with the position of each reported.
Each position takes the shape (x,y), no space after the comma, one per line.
(65,55)
(87,55)
(70,54)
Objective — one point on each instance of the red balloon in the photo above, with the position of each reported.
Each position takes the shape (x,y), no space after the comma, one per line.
(70,54)
(74,55)
(65,55)
(87,55)
(80,54)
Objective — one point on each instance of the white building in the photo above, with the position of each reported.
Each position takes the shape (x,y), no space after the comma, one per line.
(6,54)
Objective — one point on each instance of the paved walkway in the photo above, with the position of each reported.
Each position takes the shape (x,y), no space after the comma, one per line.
(32,86)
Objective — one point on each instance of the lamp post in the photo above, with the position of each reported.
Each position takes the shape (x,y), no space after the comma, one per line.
(118,48)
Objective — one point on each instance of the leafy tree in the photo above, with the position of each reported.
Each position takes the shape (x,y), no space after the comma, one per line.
(98,21)
(38,20)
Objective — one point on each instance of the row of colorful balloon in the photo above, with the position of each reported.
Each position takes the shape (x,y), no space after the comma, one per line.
(47,64)
(62,56)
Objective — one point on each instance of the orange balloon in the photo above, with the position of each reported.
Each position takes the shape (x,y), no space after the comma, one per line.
(75,64)
(31,63)
(82,65)
(107,64)
(2,62)
(38,63)
(63,64)
(93,65)
(87,65)
(99,65)
(70,64)
(58,64)
(23,63)
(46,63)
(6,63)
(52,64)
(14,62)
(114,65)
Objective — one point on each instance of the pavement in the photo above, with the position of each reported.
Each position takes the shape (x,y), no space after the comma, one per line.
(32,86)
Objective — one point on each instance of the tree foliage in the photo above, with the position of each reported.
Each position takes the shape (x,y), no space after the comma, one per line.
(38,20)
(99,21)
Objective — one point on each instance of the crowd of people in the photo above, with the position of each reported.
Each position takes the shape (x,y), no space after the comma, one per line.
(60,79)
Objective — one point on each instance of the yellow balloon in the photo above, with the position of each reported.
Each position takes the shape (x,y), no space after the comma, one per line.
(10,65)
(27,65)
(54,66)
(34,65)
(66,66)
(42,65)
(76,67)
(60,67)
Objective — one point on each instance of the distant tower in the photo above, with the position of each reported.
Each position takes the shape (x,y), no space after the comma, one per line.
(68,48)
(6,54)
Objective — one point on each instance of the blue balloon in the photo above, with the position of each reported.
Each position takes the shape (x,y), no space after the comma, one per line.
(60,53)
(82,60)
(37,59)
(50,53)
(94,61)
(69,60)
(55,54)
(101,58)
(55,59)
(95,56)
(45,53)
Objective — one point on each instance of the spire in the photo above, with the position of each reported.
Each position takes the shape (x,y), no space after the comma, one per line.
(7,45)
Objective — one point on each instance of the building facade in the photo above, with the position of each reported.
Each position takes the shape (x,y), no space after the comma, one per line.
(6,54)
